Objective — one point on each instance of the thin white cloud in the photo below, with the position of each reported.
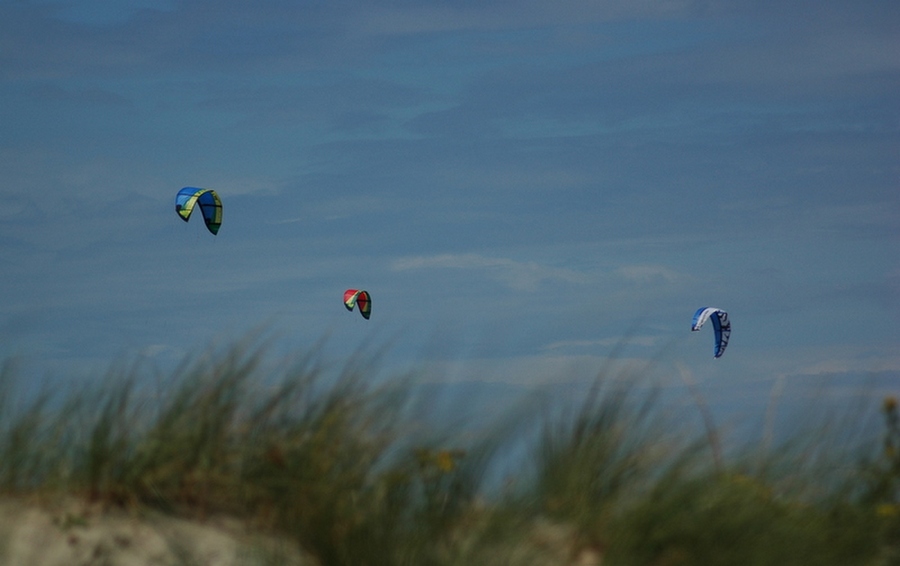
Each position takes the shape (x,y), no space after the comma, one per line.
(338,209)
(516,274)
(822,362)
(851,365)
(531,371)
(229,185)
(643,341)
(649,274)
(425,18)
(816,53)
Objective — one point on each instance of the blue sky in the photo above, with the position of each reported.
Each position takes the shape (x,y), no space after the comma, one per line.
(519,185)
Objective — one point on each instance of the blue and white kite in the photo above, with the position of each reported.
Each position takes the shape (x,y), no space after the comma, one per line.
(721,325)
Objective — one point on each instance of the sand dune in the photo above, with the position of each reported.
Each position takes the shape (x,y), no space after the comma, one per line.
(75,534)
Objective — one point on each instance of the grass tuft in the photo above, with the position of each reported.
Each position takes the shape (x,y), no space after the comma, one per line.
(340,463)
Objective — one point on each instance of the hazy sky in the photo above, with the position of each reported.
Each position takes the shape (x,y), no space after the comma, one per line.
(520,185)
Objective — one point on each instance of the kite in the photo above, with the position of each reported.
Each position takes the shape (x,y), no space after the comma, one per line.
(352,298)
(209,202)
(721,326)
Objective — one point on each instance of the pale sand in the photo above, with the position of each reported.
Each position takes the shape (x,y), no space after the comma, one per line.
(76,534)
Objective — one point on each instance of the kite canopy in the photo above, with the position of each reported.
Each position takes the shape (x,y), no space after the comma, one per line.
(721,326)
(352,298)
(210,206)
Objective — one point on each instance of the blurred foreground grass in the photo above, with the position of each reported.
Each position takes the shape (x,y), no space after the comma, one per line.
(345,467)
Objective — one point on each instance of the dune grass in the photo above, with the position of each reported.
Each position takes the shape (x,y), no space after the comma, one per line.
(341,464)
